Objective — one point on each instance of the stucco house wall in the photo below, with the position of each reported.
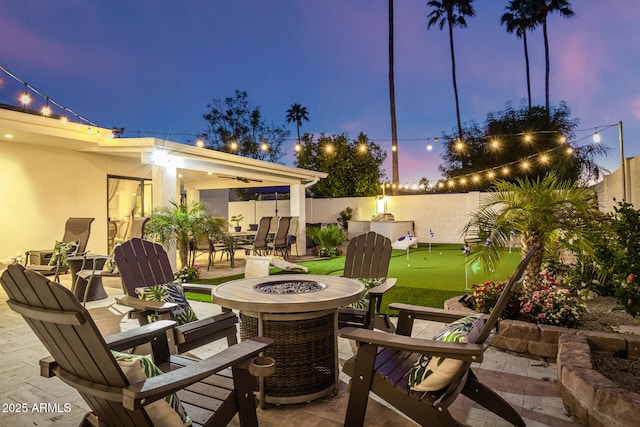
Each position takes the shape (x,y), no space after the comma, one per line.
(40,185)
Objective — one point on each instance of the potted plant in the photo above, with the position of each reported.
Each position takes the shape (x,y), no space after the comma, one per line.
(237,219)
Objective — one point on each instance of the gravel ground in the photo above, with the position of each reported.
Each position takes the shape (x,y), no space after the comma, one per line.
(619,369)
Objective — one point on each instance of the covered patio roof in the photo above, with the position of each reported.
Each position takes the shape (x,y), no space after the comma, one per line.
(197,168)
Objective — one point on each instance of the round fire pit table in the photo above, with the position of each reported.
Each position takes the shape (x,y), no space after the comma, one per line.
(300,313)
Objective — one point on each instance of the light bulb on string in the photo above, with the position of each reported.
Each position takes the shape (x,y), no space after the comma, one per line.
(298,147)
(264,146)
(25,99)
(199,143)
(596,136)
(46,110)
(363,148)
(429,147)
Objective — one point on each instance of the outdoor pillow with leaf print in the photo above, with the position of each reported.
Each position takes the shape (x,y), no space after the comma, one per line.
(363,302)
(167,412)
(170,292)
(431,373)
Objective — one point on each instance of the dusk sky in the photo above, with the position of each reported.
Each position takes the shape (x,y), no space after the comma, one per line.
(153,66)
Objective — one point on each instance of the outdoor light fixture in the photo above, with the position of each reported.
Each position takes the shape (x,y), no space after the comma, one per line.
(563,139)
(233,145)
(298,147)
(264,146)
(429,147)
(596,136)
(46,110)
(527,137)
(200,143)
(363,148)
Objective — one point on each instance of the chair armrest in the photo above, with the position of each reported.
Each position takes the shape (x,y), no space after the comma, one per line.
(460,351)
(140,304)
(382,288)
(197,288)
(430,313)
(139,335)
(154,388)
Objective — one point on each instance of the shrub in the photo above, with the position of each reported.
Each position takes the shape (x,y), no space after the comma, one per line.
(188,274)
(550,305)
(328,239)
(628,296)
(553,305)
(485,296)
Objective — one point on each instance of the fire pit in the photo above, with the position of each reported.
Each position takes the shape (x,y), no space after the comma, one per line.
(290,287)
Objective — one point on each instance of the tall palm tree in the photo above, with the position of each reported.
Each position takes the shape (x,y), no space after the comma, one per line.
(518,19)
(297,113)
(392,103)
(534,209)
(540,10)
(452,13)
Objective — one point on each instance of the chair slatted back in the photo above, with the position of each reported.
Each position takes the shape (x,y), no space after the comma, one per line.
(68,332)
(260,241)
(280,238)
(512,285)
(142,263)
(78,229)
(368,256)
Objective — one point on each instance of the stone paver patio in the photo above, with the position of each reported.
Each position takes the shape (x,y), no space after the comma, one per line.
(529,385)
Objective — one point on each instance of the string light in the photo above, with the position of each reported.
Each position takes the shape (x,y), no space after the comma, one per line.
(596,136)
(264,146)
(25,99)
(200,143)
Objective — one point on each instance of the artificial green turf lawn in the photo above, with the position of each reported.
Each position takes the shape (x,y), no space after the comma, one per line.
(427,278)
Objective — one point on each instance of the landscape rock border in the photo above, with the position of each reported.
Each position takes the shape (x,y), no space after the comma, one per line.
(586,394)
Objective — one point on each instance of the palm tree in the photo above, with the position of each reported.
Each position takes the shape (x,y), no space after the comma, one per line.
(297,113)
(180,223)
(453,13)
(536,210)
(392,103)
(540,10)
(518,19)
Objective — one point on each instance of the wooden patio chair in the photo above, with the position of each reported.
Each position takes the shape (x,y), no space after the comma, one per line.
(368,256)
(212,391)
(280,243)
(142,263)
(75,230)
(384,362)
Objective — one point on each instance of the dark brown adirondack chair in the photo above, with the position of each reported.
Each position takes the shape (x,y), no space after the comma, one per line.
(280,243)
(143,263)
(368,257)
(75,229)
(383,362)
(212,391)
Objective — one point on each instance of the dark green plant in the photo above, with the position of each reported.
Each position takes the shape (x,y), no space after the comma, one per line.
(328,239)
(179,223)
(344,218)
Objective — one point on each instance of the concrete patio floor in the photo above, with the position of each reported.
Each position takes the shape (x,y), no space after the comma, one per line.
(529,385)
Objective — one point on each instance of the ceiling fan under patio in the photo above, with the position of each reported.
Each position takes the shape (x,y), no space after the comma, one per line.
(239,178)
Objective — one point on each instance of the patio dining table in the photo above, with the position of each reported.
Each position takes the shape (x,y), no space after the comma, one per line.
(300,313)
(234,239)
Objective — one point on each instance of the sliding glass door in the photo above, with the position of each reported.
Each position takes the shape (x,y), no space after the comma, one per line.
(127,198)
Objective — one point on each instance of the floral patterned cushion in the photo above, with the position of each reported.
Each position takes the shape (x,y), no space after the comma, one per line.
(170,292)
(434,373)
(164,412)
(61,251)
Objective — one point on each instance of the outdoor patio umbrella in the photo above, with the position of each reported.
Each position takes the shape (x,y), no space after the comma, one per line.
(270,190)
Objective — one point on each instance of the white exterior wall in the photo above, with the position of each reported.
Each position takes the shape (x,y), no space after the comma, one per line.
(611,186)
(42,187)
(445,214)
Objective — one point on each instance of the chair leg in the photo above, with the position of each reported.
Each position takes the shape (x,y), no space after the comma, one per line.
(491,400)
(360,385)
